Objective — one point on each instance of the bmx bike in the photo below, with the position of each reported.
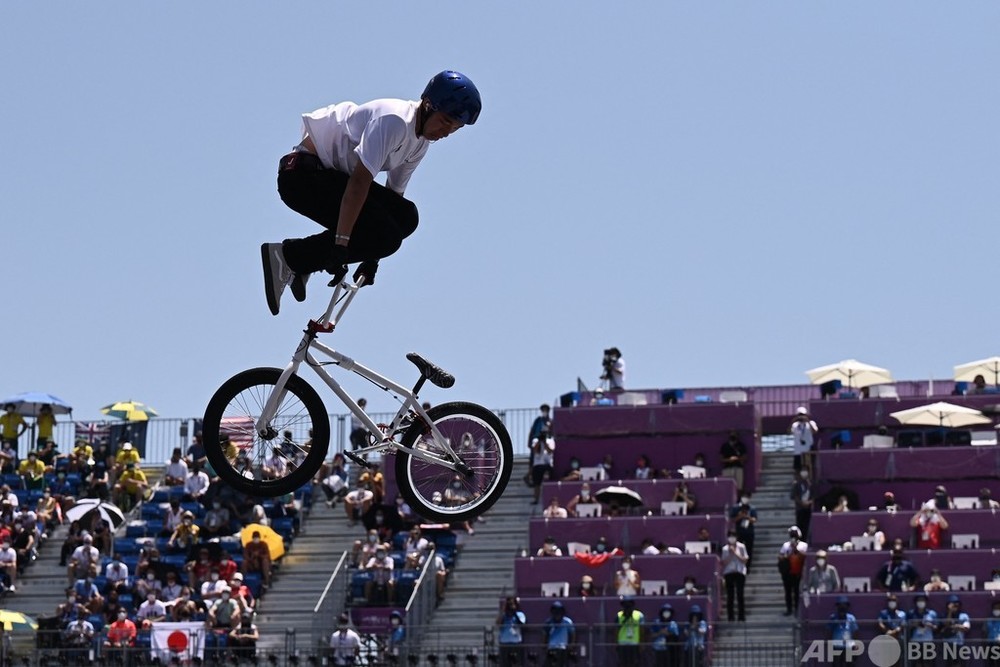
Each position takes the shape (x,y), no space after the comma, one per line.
(266,431)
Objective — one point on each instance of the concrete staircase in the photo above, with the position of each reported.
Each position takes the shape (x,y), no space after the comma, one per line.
(765,600)
(485,567)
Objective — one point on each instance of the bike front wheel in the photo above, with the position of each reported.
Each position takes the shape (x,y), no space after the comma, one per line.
(479,439)
(285,454)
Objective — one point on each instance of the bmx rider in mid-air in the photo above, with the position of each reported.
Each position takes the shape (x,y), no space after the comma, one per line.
(329,178)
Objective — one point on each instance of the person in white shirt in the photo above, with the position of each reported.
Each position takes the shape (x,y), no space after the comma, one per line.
(176,471)
(84,561)
(803,431)
(8,564)
(554,510)
(151,611)
(329,178)
(734,572)
(195,484)
(116,572)
(345,644)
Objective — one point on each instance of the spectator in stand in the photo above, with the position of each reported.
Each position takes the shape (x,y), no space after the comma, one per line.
(48,454)
(843,505)
(954,623)
(357,502)
(643,468)
(46,509)
(549,548)
(705,536)
(690,586)
(695,635)
(150,611)
(345,644)
(176,471)
(647,548)
(941,499)
(334,480)
(126,454)
(147,583)
(586,589)
(223,612)
(380,588)
(734,572)
(627,579)
(173,516)
(897,574)
(78,637)
(929,523)
(244,637)
(195,454)
(172,588)
(936,584)
(542,450)
(215,587)
(131,487)
(74,539)
(559,636)
(744,518)
(601,546)
(199,568)
(734,455)
(923,624)
(12,424)
(81,457)
(376,481)
(510,620)
(8,457)
(665,635)
(822,577)
(842,627)
(791,560)
(891,622)
(583,497)
(683,494)
(415,541)
(184,608)
(600,399)
(802,496)
(186,535)
(873,531)
(540,424)
(257,558)
(359,434)
(99,485)
(8,565)
(215,522)
(803,431)
(116,572)
(196,484)
(240,592)
(32,471)
(121,634)
(84,561)
(630,624)
(554,510)
(986,501)
(227,566)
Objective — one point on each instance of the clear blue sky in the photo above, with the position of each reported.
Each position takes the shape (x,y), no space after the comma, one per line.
(731,193)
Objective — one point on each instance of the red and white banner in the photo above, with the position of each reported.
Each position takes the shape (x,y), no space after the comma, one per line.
(183,641)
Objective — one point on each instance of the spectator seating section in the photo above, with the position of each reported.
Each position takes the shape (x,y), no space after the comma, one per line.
(835,528)
(977,563)
(910,494)
(715,494)
(627,532)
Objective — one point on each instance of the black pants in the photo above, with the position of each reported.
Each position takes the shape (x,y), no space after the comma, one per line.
(735,583)
(803,517)
(792,583)
(385,219)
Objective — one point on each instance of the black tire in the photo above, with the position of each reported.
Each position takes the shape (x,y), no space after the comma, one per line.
(233,412)
(480,439)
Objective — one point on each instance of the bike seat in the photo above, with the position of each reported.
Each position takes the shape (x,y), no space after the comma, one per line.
(437,376)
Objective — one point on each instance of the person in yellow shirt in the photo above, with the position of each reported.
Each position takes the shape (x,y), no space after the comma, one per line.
(82,454)
(46,424)
(12,424)
(185,535)
(131,487)
(126,454)
(32,471)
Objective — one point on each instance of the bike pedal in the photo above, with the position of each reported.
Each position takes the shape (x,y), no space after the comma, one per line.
(357,459)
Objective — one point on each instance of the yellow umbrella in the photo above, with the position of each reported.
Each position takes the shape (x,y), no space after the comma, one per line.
(130,411)
(274,543)
(11,620)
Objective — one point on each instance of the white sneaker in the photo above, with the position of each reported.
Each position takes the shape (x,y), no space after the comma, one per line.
(12,588)
(277,275)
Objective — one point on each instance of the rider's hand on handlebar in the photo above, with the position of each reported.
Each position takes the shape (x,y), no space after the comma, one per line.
(367,268)
(337,264)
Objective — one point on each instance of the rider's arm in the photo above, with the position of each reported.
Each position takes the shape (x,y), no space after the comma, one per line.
(354,198)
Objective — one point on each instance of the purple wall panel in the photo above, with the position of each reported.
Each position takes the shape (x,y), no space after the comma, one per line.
(932,463)
(628,532)
(838,527)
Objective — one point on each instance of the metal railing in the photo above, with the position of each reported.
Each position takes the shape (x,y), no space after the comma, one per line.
(331,602)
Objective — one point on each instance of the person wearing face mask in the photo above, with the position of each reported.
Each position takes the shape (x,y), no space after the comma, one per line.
(150,611)
(584,497)
(120,635)
(802,496)
(257,558)
(897,574)
(986,501)
(929,523)
(744,518)
(734,455)
(586,588)
(243,638)
(991,633)
(554,510)
(954,623)
(791,559)
(511,620)
(345,643)
(357,502)
(922,622)
(822,577)
(734,572)
(683,494)
(876,534)
(185,535)
(380,589)
(560,634)
(216,521)
(842,627)
(891,622)
(223,613)
(630,629)
(665,635)
(803,431)
(549,548)
(628,582)
(8,564)
(214,587)
(543,449)
(690,587)
(941,499)
(184,608)
(695,635)
(936,583)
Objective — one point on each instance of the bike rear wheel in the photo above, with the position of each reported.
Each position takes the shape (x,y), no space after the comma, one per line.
(481,441)
(286,455)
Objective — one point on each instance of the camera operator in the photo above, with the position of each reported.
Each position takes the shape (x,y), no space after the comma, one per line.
(613,367)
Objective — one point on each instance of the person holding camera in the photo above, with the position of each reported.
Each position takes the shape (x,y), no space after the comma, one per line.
(243,638)
(803,431)
(613,369)
(542,449)
(510,621)
(929,523)
(744,518)
(559,636)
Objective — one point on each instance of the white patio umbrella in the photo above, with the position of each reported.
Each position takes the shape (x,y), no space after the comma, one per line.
(944,415)
(988,368)
(851,373)
(107,511)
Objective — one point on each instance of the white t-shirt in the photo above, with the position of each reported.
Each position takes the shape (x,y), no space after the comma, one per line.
(381,134)
(343,645)
(802,434)
(616,379)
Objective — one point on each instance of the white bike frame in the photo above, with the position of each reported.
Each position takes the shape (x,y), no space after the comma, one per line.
(410,403)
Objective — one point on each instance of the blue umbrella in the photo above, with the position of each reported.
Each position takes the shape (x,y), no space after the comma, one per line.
(30,403)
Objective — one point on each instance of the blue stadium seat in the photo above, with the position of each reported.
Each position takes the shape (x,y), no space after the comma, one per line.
(75,479)
(143,639)
(305,494)
(62,464)
(358,581)
(177,560)
(127,602)
(135,529)
(151,511)
(126,546)
(405,582)
(22,496)
(284,527)
(97,621)
(160,496)
(195,508)
(398,539)
(13,480)
(102,584)
(255,582)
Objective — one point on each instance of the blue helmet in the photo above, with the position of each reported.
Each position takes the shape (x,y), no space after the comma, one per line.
(454,93)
